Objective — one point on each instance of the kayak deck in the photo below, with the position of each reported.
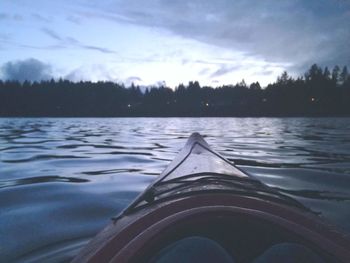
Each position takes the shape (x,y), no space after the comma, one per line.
(198,169)
(197,157)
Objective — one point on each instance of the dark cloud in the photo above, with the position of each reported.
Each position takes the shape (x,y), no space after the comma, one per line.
(223,70)
(42,18)
(4,37)
(52,34)
(29,69)
(85,15)
(265,72)
(100,49)
(72,42)
(5,16)
(296,32)
(204,71)
(74,19)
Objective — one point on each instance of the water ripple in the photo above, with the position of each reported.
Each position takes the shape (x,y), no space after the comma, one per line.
(313,194)
(40,179)
(43,157)
(111,171)
(61,179)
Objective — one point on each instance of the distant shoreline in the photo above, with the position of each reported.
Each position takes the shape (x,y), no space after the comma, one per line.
(166,117)
(318,94)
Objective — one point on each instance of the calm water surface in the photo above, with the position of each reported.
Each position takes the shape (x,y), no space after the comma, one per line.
(62,179)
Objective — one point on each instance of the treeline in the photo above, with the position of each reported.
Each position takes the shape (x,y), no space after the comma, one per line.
(320,92)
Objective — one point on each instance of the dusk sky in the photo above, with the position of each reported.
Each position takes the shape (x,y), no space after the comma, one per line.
(148,42)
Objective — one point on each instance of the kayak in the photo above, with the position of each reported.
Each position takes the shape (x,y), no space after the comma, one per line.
(202,194)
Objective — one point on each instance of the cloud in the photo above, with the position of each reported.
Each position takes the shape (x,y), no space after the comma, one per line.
(223,70)
(265,72)
(73,19)
(42,18)
(76,75)
(100,49)
(133,78)
(87,15)
(5,16)
(296,32)
(93,72)
(4,37)
(72,42)
(30,69)
(52,34)
(204,71)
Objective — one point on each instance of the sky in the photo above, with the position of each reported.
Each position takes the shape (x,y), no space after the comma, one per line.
(171,41)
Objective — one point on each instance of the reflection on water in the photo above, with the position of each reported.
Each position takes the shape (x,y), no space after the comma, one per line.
(62,179)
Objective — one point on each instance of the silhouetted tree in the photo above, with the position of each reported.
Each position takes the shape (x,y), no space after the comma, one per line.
(284,79)
(319,93)
(327,73)
(335,74)
(344,75)
(255,86)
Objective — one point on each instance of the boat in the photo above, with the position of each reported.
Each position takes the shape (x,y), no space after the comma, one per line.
(203,194)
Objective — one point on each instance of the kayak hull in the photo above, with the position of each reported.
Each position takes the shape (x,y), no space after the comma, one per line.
(240,220)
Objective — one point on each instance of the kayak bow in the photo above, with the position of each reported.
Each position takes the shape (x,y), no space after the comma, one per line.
(202,194)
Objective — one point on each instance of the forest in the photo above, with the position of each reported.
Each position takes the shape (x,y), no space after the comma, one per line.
(319,92)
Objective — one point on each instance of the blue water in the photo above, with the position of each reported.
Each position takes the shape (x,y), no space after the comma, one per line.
(61,179)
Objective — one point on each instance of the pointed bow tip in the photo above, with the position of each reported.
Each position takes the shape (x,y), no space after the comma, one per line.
(196,138)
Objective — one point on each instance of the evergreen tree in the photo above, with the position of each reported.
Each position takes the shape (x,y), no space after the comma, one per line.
(335,74)
(284,79)
(344,75)
(327,73)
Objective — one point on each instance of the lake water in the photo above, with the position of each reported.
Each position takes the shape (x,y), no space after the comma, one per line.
(61,179)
